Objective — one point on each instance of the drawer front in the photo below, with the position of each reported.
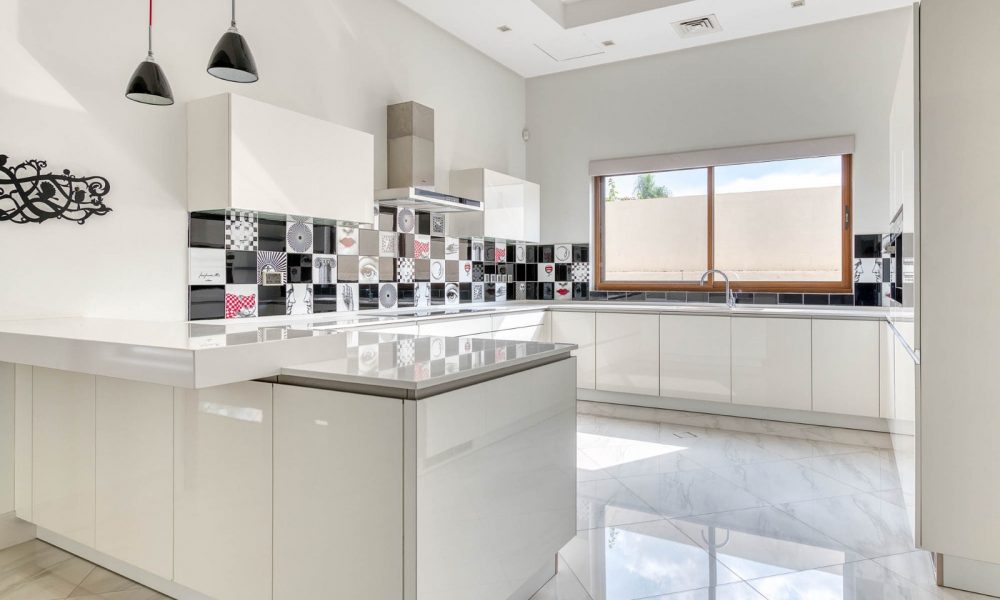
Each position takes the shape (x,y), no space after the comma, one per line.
(516,320)
(457,327)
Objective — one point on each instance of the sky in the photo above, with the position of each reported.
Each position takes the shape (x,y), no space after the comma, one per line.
(753,177)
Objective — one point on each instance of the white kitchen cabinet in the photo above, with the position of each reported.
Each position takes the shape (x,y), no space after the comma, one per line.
(511,206)
(23,443)
(135,474)
(519,319)
(246,154)
(772,365)
(63,407)
(695,357)
(407,329)
(578,328)
(338,516)
(628,353)
(457,327)
(222,490)
(536,333)
(845,367)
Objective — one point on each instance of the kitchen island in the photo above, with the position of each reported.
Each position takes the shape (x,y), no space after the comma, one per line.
(282,460)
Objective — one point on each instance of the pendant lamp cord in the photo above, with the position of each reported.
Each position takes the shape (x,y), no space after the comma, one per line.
(150,30)
(233,22)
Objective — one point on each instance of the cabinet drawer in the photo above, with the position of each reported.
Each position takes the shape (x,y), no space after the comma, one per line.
(457,327)
(522,334)
(515,320)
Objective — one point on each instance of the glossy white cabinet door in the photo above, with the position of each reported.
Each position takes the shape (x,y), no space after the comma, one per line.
(338,492)
(457,327)
(523,334)
(222,490)
(512,206)
(519,319)
(845,367)
(63,453)
(578,328)
(771,362)
(135,473)
(695,357)
(628,353)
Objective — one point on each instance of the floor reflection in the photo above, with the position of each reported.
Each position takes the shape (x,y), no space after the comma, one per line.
(690,511)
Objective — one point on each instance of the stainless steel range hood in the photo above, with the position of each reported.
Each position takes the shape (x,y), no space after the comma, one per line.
(411,163)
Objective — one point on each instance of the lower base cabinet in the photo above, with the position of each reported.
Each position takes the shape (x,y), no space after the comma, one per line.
(339,515)
(578,328)
(695,358)
(845,367)
(772,365)
(628,353)
(222,490)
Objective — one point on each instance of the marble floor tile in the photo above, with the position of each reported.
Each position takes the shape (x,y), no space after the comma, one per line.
(588,469)
(867,471)
(102,581)
(687,493)
(632,457)
(37,571)
(607,503)
(641,561)
(917,567)
(761,542)
(863,580)
(721,448)
(729,591)
(784,482)
(866,523)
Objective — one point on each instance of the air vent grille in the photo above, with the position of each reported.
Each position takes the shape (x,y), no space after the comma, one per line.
(699,26)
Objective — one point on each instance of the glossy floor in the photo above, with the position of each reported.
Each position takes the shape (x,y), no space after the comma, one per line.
(37,571)
(682,506)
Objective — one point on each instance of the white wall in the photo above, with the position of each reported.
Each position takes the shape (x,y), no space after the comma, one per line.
(827,80)
(62,78)
(959,413)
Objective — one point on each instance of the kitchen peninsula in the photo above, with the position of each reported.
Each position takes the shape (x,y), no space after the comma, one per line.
(297,459)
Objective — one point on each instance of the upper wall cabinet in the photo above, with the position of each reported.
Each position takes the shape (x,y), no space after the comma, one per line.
(250,155)
(511,206)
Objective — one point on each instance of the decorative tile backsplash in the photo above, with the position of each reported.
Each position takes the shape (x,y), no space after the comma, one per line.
(243,264)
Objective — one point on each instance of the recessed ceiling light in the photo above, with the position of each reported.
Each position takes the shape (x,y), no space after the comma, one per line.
(503,29)
(608,43)
(798,3)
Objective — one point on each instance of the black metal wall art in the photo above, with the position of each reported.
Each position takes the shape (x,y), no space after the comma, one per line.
(27,195)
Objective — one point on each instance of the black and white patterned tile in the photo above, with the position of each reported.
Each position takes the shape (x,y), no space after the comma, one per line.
(299,235)
(241,230)
(325,268)
(299,299)
(272,262)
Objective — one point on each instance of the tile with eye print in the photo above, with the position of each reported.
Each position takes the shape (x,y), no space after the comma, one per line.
(324,268)
(451,293)
(367,269)
(324,298)
(347,240)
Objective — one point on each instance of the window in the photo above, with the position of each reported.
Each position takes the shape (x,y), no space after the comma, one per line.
(771,225)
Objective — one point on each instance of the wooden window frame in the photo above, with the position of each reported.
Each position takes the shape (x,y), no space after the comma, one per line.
(844,286)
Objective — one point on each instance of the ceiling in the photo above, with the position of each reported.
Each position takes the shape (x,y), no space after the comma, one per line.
(549,36)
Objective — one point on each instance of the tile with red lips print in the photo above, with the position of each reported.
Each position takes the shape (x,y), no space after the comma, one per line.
(564,290)
(347,240)
(546,272)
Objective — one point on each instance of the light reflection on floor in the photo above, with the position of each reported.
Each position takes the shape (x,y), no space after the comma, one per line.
(688,511)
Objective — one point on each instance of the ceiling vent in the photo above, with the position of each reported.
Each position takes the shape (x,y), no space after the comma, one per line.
(699,26)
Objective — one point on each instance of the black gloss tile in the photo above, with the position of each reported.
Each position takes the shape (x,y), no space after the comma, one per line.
(422,270)
(300,268)
(386,219)
(842,299)
(547,291)
(347,268)
(867,246)
(368,298)
(563,272)
(717,297)
(816,299)
(790,299)
(581,291)
(521,272)
(511,253)
(676,296)
(512,291)
(531,253)
(241,266)
(745,297)
(595,295)
(867,294)
(635,296)
(615,296)
(405,295)
(490,292)
(368,242)
(206,231)
(581,253)
(437,247)
(324,298)
(464,249)
(532,290)
(405,249)
(697,297)
(437,292)
(207,302)
(465,293)
(324,239)
(271,300)
(765,298)
(656,296)
(271,235)
(423,223)
(387,269)
(546,254)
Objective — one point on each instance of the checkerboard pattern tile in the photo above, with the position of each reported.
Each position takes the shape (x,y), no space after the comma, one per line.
(285,265)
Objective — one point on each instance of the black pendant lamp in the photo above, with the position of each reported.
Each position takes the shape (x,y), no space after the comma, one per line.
(232,59)
(149,84)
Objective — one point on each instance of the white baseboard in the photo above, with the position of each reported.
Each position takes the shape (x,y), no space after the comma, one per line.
(970,575)
(737,410)
(14,531)
(154,582)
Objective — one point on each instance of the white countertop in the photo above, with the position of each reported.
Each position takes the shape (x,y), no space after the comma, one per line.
(206,353)
(416,363)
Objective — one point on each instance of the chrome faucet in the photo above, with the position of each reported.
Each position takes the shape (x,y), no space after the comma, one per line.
(730,299)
